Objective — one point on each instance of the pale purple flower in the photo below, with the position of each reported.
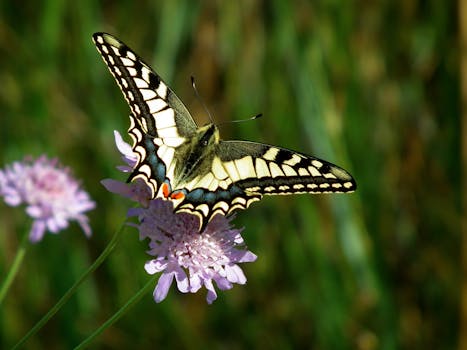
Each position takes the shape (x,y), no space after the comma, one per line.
(137,190)
(51,195)
(194,259)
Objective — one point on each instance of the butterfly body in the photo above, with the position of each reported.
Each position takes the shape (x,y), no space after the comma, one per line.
(191,165)
(196,154)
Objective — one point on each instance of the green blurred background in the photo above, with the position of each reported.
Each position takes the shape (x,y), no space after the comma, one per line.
(373,86)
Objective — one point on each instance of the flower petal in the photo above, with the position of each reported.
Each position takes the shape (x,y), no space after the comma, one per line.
(235,274)
(117,187)
(154,266)
(248,257)
(163,285)
(37,231)
(211,295)
(125,149)
(182,280)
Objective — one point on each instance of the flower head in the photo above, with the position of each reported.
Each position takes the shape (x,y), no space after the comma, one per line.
(194,259)
(52,196)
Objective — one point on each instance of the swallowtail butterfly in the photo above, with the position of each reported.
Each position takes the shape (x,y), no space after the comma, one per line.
(191,165)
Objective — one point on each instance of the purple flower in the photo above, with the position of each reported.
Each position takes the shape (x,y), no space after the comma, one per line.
(52,196)
(194,259)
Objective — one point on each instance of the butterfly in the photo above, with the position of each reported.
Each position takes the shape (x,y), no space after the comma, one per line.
(190,165)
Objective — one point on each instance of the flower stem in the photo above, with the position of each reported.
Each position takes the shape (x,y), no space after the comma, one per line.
(113,242)
(133,300)
(14,267)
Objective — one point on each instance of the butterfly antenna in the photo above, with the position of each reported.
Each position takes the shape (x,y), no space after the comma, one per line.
(242,120)
(247,119)
(193,84)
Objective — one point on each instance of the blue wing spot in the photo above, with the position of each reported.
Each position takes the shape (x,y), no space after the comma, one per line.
(153,159)
(195,195)
(200,195)
(160,171)
(149,144)
(157,166)
(210,197)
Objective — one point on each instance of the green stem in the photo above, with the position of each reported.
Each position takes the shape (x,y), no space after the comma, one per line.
(113,242)
(14,267)
(134,299)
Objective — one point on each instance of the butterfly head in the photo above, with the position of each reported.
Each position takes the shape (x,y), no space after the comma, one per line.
(208,136)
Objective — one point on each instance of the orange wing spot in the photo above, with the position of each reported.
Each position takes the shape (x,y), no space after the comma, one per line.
(177,195)
(165,190)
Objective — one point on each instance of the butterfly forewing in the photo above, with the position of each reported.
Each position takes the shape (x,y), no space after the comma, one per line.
(269,170)
(159,120)
(156,108)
